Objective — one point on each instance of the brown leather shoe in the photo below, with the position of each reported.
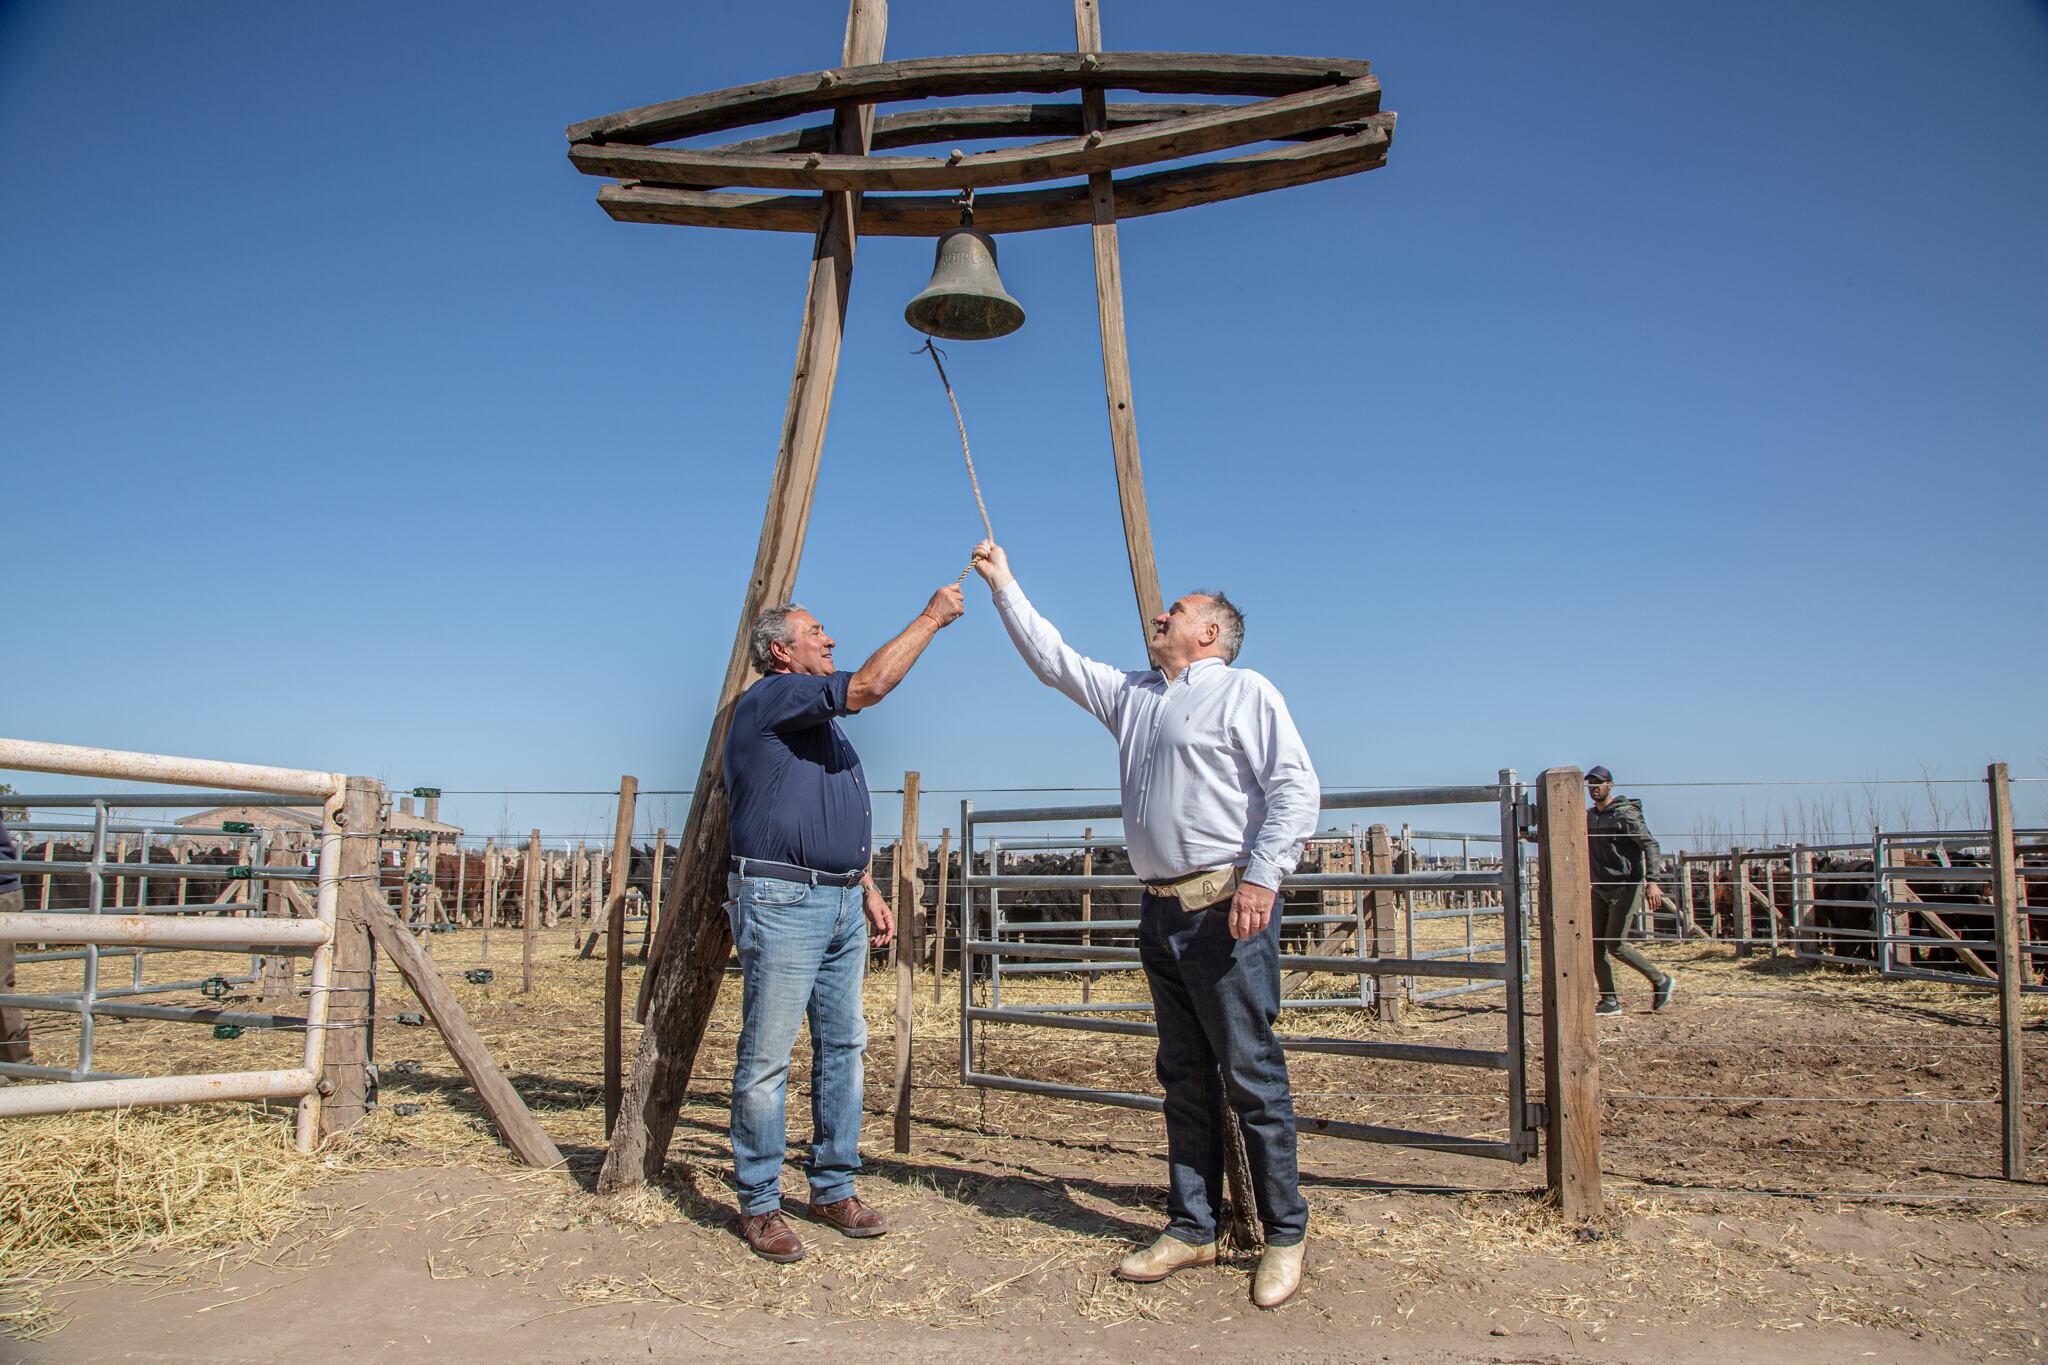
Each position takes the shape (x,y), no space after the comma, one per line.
(850,1216)
(771,1238)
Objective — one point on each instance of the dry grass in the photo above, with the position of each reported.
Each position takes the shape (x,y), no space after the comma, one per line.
(86,1192)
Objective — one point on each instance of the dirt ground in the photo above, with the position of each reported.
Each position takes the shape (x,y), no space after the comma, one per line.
(1740,1226)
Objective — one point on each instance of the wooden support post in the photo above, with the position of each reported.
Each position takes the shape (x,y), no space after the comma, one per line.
(678,989)
(909,890)
(1803,938)
(490,905)
(576,897)
(1770,894)
(530,913)
(654,888)
(1688,925)
(1571,1054)
(615,949)
(2012,973)
(461,880)
(1116,357)
(1386,990)
(1738,898)
(939,915)
(121,881)
(279,970)
(1087,908)
(408,861)
(344,1071)
(516,1125)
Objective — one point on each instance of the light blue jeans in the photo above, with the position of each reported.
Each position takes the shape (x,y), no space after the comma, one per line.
(803,951)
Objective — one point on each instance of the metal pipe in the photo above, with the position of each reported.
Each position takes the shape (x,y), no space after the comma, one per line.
(98,891)
(19,1101)
(185,1014)
(30,1071)
(185,871)
(78,760)
(1421,1053)
(184,931)
(125,827)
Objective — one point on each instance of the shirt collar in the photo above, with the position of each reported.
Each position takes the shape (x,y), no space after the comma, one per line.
(1188,674)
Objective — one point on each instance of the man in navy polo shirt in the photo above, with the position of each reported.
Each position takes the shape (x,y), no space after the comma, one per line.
(801,902)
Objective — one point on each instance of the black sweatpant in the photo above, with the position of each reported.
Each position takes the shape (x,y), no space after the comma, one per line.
(1612,906)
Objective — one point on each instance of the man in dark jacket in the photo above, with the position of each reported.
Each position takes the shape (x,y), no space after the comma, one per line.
(1625,860)
(13,1022)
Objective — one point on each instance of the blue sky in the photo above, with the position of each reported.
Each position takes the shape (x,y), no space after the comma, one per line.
(1673,399)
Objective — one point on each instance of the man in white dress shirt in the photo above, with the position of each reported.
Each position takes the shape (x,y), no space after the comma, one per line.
(1218,799)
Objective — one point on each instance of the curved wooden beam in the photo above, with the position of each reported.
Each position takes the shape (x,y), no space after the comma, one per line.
(1217,127)
(1165,73)
(964,122)
(1016,211)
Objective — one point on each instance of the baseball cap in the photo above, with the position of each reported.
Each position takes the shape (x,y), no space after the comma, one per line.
(1596,773)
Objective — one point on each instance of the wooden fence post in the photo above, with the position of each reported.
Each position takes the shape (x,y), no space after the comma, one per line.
(1571,1055)
(908,892)
(939,915)
(647,929)
(1386,990)
(1738,898)
(1803,938)
(2012,972)
(615,949)
(530,919)
(344,1072)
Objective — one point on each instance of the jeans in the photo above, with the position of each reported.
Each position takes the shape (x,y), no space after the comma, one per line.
(1613,904)
(1215,999)
(803,951)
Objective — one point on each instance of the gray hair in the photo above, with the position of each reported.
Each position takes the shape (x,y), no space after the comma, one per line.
(1227,618)
(771,627)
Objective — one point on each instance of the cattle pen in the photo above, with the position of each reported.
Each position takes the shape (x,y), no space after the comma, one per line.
(1431,988)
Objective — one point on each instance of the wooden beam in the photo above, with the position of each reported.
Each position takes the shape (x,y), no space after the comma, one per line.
(654,891)
(2012,975)
(939,915)
(516,1125)
(862,85)
(1099,149)
(976,122)
(1137,196)
(1383,909)
(1116,358)
(615,950)
(530,918)
(680,987)
(1571,1052)
(909,890)
(345,1062)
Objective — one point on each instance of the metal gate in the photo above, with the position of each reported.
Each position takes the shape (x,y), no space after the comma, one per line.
(1015,947)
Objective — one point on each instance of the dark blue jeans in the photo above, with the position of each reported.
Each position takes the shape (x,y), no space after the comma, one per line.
(1216,999)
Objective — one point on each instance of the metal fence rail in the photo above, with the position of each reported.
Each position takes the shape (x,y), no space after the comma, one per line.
(1014,947)
(96,928)
(1820,902)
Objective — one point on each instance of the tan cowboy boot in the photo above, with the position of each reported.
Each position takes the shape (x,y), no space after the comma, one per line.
(1163,1258)
(1279,1275)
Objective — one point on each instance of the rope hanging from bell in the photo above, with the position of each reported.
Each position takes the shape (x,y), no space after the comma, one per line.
(973,480)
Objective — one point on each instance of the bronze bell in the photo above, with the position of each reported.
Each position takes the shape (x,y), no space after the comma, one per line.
(965,300)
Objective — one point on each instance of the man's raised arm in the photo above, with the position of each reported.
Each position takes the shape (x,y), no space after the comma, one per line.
(878,677)
(1095,686)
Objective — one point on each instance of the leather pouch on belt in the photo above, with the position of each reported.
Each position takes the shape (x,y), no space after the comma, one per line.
(1203,889)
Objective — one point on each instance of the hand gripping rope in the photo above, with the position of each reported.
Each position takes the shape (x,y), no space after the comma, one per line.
(936,353)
